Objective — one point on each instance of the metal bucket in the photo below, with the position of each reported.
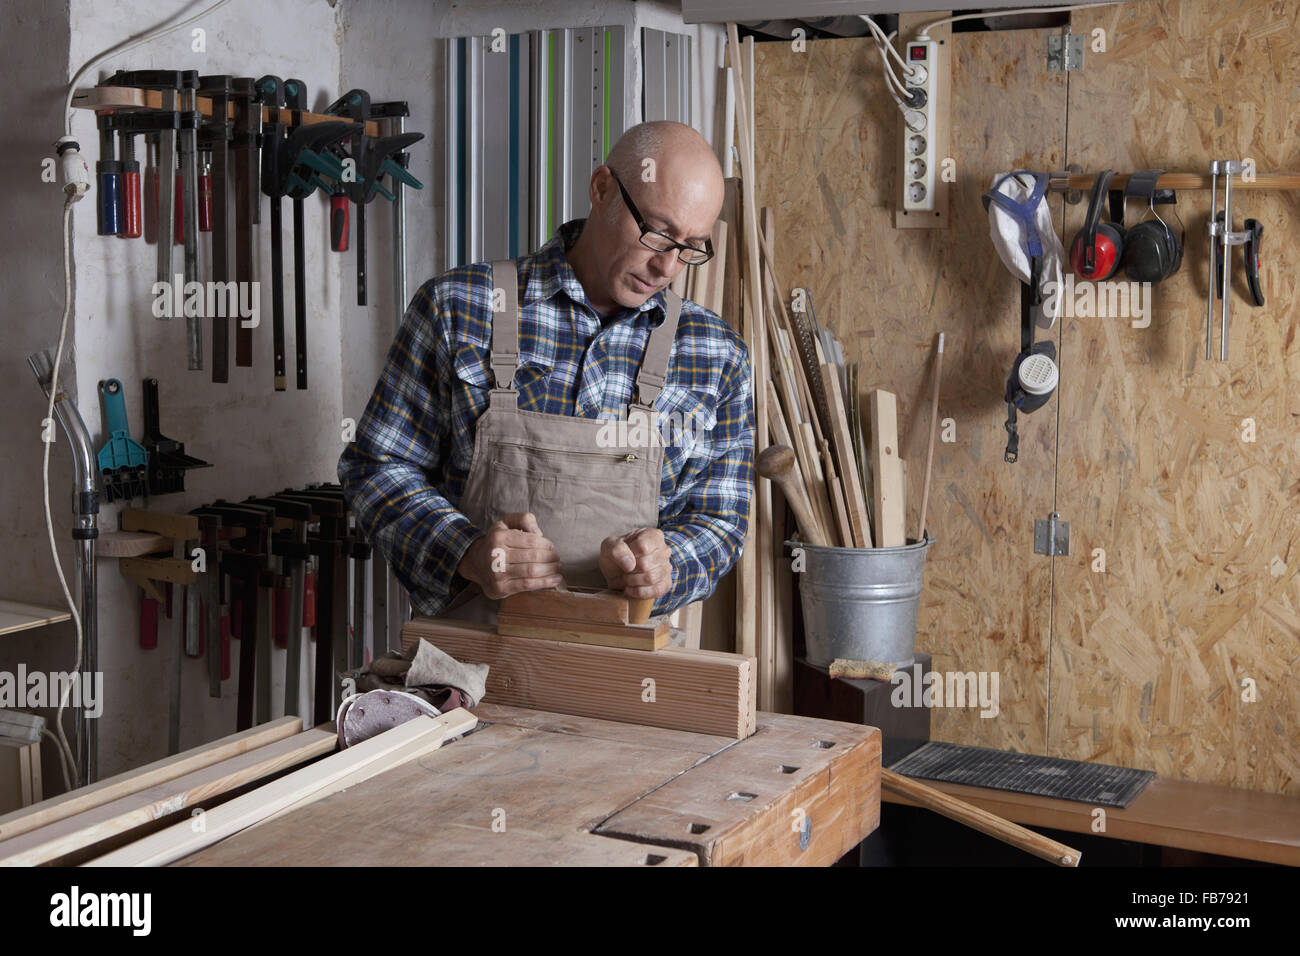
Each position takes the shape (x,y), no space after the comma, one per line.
(861,603)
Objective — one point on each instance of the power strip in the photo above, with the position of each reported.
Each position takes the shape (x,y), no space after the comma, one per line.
(925,169)
(920,159)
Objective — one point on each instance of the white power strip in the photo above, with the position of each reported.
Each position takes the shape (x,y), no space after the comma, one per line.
(21,726)
(920,160)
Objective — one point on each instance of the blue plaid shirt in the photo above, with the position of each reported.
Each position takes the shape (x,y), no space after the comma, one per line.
(405,473)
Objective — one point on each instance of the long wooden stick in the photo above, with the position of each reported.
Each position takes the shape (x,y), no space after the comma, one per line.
(934,428)
(990,824)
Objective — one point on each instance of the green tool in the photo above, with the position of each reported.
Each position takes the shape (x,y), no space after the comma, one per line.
(122,461)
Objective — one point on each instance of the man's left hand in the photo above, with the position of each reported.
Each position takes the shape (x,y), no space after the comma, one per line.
(639,563)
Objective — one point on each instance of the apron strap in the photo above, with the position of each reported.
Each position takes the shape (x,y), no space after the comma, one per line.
(652,375)
(505,324)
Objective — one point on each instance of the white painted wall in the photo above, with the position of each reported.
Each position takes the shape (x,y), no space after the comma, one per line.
(258,440)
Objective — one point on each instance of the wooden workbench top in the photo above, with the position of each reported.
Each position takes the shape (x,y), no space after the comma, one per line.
(531,788)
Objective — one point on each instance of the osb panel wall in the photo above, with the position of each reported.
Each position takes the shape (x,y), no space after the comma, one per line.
(826,158)
(1141,664)
(1199,527)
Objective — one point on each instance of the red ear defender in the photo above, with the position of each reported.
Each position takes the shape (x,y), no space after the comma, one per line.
(1104,257)
(1097,248)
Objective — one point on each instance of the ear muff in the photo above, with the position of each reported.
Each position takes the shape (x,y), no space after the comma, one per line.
(1150,251)
(1099,246)
(1153,251)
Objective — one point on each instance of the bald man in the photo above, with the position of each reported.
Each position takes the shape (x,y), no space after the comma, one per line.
(566,419)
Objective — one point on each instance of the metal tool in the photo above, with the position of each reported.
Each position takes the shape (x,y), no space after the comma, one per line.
(248,562)
(244,144)
(189,158)
(1222,238)
(210,541)
(290,549)
(215,137)
(167,459)
(270,93)
(123,462)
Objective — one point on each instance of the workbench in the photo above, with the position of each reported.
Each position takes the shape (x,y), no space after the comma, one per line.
(533,788)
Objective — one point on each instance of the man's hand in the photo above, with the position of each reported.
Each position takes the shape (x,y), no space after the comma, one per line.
(639,564)
(512,557)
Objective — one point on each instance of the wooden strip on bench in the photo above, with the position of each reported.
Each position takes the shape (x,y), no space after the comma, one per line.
(708,692)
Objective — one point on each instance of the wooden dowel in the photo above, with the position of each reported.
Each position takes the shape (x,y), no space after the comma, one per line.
(977,818)
(934,428)
(1083,181)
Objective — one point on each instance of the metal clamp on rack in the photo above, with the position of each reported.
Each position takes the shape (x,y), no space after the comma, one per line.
(1222,238)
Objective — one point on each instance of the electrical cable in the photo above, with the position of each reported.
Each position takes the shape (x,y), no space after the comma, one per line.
(72,196)
(1014,13)
(129,43)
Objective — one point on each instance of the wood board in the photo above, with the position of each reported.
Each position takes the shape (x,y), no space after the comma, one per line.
(638,637)
(348,767)
(74,834)
(142,778)
(697,690)
(886,470)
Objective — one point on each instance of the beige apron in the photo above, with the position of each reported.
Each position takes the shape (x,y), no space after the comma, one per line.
(584,479)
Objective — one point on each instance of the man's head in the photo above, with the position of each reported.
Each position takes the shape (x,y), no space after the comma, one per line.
(673,179)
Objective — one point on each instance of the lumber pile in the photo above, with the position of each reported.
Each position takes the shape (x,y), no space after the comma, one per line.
(708,692)
(116,821)
(847,482)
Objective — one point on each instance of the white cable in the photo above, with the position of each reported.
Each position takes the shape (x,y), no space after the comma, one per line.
(1014,13)
(128,44)
(65,749)
(885,45)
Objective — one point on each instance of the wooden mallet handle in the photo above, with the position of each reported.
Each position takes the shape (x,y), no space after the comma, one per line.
(980,819)
(638,610)
(776,463)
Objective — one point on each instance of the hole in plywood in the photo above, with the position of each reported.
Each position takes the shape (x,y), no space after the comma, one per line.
(742,795)
(786,768)
(825,744)
(697,828)
(654,859)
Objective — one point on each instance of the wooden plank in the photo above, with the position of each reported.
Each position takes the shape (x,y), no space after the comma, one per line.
(887,475)
(855,503)
(20,773)
(84,830)
(131,544)
(740,807)
(175,570)
(178,526)
(503,796)
(150,775)
(640,637)
(585,604)
(344,769)
(703,691)
(683,741)
(17,616)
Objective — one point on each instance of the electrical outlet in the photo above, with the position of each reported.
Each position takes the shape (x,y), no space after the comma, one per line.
(920,162)
(922,193)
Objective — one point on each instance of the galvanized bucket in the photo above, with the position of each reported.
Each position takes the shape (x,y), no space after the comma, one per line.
(861,603)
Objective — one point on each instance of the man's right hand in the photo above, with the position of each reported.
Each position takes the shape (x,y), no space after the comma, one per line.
(512,557)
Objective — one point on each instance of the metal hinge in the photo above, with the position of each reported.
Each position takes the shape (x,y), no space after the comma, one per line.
(1064,52)
(1051,535)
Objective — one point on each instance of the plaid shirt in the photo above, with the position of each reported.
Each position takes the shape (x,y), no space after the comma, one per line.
(406,471)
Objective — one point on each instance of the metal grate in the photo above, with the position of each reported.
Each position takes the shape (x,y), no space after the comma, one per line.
(1097,784)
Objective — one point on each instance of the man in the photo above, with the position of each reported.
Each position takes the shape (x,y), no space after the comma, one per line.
(474,492)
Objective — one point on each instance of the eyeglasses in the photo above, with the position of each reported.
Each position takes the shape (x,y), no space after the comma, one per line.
(660,242)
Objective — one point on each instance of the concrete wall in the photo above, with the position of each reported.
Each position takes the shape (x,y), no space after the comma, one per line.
(258,440)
